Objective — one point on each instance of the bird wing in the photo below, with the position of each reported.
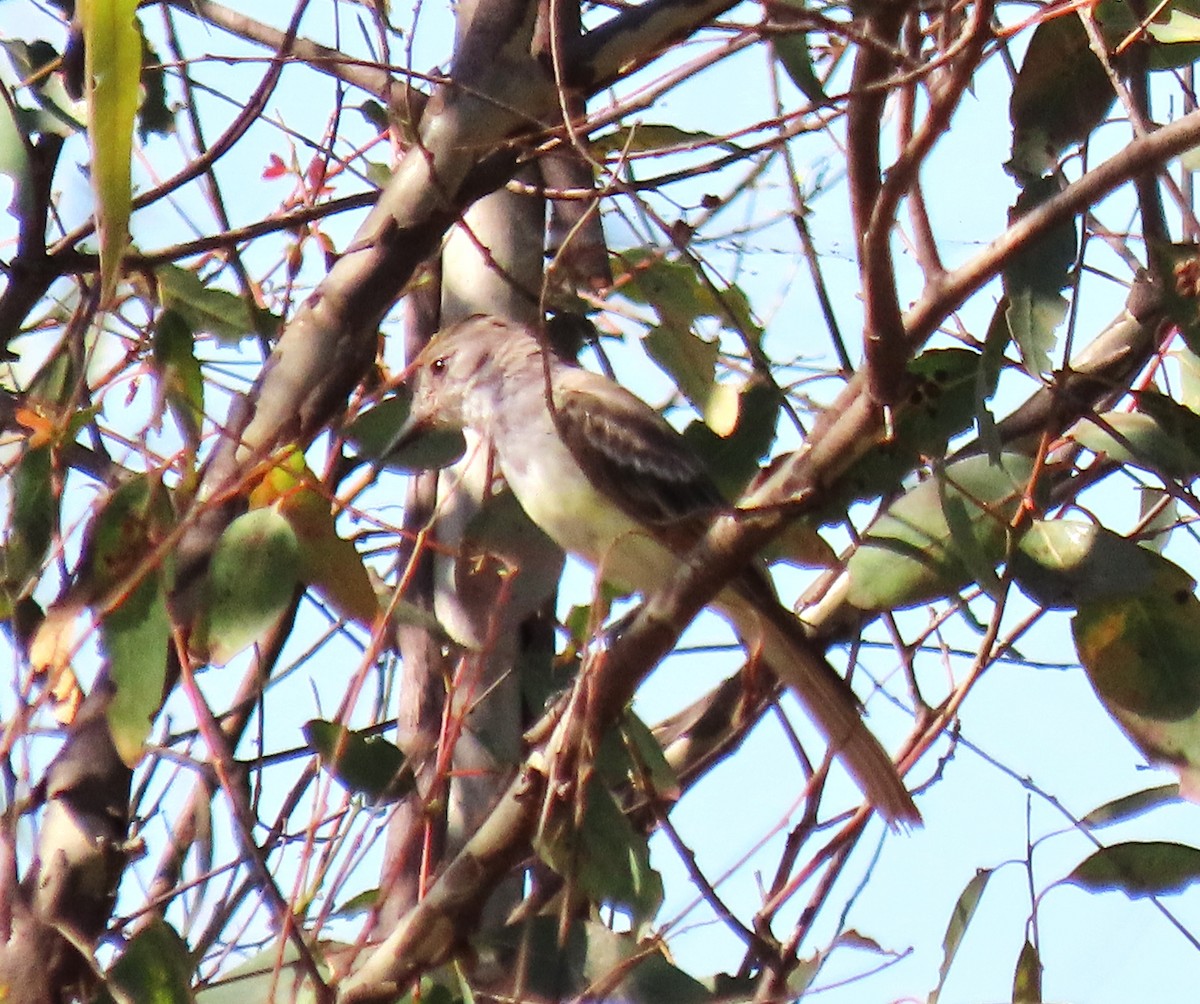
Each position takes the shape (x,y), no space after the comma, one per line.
(638,460)
(652,474)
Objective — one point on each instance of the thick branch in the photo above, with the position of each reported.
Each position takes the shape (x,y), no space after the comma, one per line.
(849,427)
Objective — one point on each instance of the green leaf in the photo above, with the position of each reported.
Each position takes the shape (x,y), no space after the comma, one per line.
(273,976)
(596,963)
(203,308)
(1061,94)
(676,292)
(57,113)
(253,575)
(650,137)
(1027,977)
(604,856)
(1151,868)
(129,591)
(1142,652)
(1034,280)
(910,555)
(1033,318)
(1127,807)
(688,359)
(31,519)
(364,763)
(960,920)
(652,774)
(733,457)
(14,158)
(794,55)
(375,114)
(135,636)
(181,381)
(155,117)
(155,968)
(1158,437)
(134,520)
(1130,438)
(649,977)
(374,431)
(1063,564)
(1188,394)
(1180,26)
(113,64)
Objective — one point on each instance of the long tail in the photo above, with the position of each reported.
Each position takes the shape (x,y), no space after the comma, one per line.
(825,695)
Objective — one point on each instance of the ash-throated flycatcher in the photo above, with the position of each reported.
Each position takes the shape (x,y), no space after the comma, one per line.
(609,480)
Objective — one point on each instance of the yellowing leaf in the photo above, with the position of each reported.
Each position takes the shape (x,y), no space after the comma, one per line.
(721,409)
(1143,659)
(327,562)
(50,654)
(113,63)
(1179,27)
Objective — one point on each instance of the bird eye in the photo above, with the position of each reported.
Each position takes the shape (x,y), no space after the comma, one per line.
(438,366)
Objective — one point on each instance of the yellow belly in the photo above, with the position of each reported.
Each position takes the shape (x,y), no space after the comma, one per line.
(558,497)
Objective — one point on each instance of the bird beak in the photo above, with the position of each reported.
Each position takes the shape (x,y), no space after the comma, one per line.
(421,443)
(414,426)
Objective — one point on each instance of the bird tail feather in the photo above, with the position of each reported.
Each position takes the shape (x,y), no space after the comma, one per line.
(827,698)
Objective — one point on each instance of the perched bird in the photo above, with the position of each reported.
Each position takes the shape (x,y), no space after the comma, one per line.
(610,481)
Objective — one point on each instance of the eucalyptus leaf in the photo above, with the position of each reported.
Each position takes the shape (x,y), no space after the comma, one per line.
(1130,438)
(205,308)
(1137,868)
(1062,92)
(960,920)
(1027,976)
(181,380)
(275,975)
(911,555)
(1142,656)
(941,402)
(1062,564)
(1034,280)
(364,763)
(31,518)
(155,967)
(254,572)
(113,55)
(374,433)
(135,635)
(1130,806)
(604,857)
(794,55)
